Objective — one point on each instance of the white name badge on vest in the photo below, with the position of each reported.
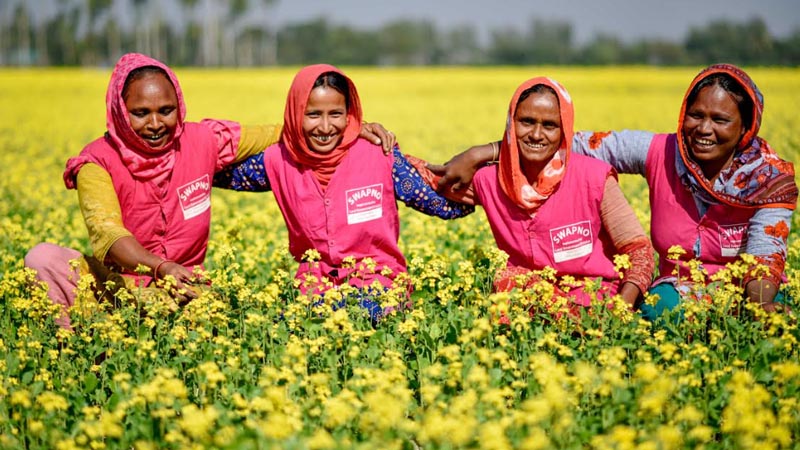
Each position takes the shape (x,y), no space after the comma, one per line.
(733,239)
(572,241)
(195,197)
(364,204)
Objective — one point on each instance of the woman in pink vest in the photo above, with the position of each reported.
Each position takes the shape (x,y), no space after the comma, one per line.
(145,186)
(337,192)
(717,190)
(549,207)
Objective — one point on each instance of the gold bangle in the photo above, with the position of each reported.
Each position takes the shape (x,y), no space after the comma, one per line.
(495,152)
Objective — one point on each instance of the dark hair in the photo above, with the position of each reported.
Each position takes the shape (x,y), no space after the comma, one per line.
(734,88)
(139,73)
(336,81)
(537,89)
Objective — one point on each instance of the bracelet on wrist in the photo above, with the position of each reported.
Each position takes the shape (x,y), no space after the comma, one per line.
(158,266)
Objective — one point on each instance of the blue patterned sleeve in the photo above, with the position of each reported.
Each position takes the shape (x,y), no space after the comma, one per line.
(247,175)
(411,189)
(626,151)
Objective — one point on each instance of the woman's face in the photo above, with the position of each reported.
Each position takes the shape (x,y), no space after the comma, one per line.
(325,119)
(712,127)
(537,122)
(152,106)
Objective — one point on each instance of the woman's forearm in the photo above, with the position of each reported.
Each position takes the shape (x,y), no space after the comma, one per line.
(129,254)
(415,191)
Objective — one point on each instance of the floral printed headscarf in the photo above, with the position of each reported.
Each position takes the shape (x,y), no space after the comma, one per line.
(512,178)
(756,177)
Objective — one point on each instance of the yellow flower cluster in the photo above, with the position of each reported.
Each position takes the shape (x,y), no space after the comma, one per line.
(255,363)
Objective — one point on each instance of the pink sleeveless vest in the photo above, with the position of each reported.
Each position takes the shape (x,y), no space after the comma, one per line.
(566,234)
(170,217)
(674,219)
(355,216)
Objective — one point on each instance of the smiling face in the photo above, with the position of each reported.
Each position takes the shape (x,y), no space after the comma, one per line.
(325,119)
(537,123)
(152,106)
(712,128)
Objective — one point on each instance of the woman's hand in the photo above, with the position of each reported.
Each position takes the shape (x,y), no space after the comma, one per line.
(763,292)
(378,135)
(182,291)
(128,253)
(630,294)
(772,307)
(456,174)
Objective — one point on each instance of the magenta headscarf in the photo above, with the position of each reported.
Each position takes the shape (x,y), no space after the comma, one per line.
(142,161)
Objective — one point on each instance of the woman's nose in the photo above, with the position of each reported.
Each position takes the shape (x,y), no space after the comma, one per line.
(536,132)
(326,123)
(704,126)
(153,121)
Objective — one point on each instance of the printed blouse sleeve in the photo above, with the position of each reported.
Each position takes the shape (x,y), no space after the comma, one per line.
(625,150)
(411,189)
(628,236)
(465,196)
(249,175)
(767,240)
(100,208)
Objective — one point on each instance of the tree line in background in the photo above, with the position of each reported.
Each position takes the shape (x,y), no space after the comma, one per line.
(239,33)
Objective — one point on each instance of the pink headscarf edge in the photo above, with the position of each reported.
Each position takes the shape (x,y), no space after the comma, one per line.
(118,123)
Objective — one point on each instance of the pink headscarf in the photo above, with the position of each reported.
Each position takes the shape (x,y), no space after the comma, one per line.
(293,137)
(512,178)
(141,160)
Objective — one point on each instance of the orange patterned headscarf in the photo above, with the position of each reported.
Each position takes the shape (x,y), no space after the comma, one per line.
(293,137)
(512,178)
(757,177)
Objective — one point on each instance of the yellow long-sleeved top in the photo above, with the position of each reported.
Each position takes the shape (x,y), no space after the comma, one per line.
(99,203)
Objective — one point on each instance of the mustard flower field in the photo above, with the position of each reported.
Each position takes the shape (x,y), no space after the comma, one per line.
(252,364)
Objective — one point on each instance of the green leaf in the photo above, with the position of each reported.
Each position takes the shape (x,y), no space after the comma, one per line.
(89,382)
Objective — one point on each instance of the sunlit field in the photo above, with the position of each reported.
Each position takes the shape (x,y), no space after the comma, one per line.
(250,364)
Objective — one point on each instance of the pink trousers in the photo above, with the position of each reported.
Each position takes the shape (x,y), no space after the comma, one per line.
(52,266)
